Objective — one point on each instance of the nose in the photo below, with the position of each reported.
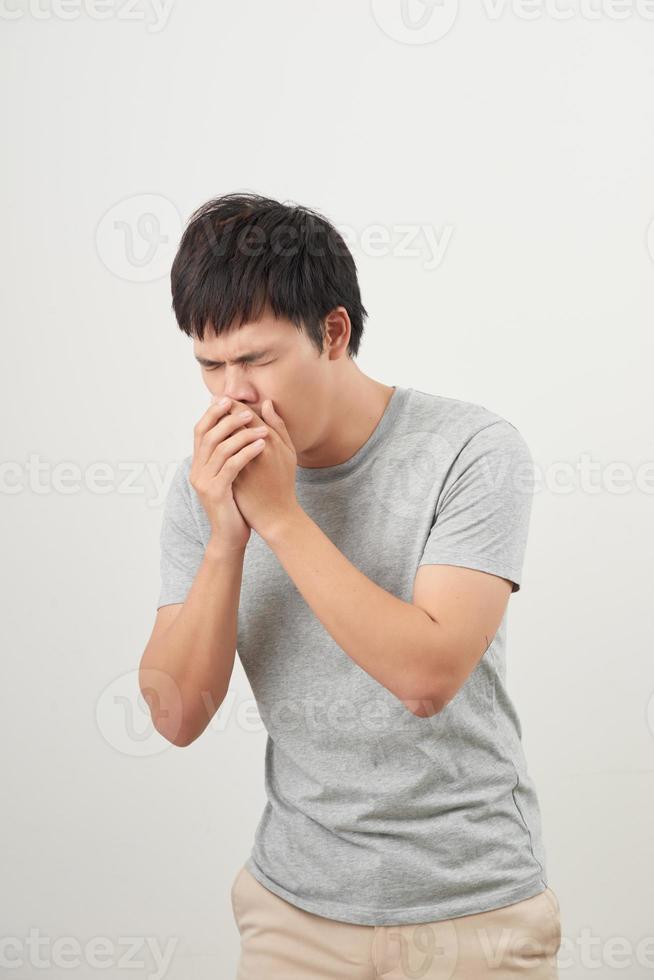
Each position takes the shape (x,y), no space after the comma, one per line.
(241,399)
(239,389)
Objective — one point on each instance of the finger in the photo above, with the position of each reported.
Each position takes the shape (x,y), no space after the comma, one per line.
(214,412)
(235,463)
(276,422)
(231,444)
(225,427)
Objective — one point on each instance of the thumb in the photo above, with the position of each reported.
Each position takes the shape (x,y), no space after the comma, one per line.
(275,421)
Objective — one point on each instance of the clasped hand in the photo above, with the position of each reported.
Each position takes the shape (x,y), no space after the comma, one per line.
(264,490)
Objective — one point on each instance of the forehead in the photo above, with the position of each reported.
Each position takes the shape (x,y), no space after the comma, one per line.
(233,342)
(267,332)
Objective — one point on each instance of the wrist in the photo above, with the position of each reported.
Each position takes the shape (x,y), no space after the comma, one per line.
(279,527)
(217,550)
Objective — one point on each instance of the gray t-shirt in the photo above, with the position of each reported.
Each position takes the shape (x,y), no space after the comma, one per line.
(376,816)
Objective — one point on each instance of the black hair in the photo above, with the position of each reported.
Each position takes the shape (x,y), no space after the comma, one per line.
(242,252)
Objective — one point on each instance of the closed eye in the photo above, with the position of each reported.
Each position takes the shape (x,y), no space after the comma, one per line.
(206,367)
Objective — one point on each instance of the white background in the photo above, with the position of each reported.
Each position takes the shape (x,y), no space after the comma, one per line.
(522,141)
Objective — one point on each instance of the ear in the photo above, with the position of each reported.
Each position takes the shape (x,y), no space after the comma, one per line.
(276,422)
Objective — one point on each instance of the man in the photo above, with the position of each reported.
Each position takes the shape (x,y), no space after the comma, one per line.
(369,613)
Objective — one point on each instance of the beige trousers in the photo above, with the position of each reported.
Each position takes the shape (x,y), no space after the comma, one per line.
(280,941)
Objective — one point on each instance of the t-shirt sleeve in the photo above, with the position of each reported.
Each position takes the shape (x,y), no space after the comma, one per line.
(483,511)
(181,547)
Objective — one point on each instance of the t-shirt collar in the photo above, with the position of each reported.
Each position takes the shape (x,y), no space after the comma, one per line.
(327,474)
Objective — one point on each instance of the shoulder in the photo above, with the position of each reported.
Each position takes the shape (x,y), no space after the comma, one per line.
(179,481)
(182,502)
(464,423)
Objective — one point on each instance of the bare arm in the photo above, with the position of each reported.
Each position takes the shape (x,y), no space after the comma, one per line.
(187,665)
(421,651)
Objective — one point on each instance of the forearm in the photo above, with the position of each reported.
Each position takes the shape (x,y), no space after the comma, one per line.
(394,641)
(187,668)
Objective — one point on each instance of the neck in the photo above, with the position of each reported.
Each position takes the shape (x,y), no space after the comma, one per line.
(354,414)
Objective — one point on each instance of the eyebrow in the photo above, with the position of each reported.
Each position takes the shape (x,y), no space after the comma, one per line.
(255,355)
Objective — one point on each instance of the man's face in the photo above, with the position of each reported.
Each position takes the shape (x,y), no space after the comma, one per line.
(279,362)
